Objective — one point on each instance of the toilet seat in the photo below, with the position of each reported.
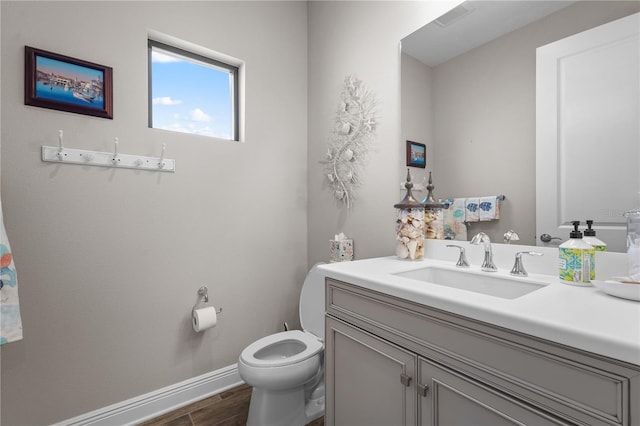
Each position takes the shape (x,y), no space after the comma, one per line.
(251,355)
(312,305)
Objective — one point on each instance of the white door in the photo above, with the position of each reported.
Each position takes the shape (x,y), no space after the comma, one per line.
(588,131)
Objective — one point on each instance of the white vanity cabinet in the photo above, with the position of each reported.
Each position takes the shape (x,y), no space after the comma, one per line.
(390,361)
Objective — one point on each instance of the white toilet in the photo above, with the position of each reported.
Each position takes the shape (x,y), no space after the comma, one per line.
(286,369)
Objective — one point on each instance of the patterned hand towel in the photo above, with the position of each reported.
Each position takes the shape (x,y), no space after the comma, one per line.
(454,227)
(472,209)
(489,208)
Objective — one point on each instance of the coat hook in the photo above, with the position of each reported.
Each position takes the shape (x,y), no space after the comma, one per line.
(115,158)
(161,164)
(60,146)
(58,153)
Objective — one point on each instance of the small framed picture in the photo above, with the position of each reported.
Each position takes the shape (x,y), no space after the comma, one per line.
(416,154)
(59,82)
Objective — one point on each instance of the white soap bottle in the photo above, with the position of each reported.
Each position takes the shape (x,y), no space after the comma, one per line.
(576,258)
(590,238)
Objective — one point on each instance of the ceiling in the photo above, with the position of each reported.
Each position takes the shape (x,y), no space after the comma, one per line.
(472,24)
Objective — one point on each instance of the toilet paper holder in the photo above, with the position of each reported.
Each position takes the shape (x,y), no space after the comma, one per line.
(203,297)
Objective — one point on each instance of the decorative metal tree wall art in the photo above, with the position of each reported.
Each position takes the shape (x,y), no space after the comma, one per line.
(355,127)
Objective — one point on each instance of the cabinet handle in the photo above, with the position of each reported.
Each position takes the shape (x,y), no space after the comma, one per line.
(405,380)
(422,389)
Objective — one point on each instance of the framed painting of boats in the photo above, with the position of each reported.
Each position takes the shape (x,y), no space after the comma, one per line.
(416,154)
(63,83)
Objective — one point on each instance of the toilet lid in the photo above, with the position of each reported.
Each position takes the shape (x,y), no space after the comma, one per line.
(312,303)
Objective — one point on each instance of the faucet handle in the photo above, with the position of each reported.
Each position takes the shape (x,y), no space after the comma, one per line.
(462,260)
(518,266)
(510,235)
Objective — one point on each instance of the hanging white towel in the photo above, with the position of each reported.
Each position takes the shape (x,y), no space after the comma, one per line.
(10,320)
(472,209)
(489,208)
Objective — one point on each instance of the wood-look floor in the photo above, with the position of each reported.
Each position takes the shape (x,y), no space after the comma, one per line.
(229,408)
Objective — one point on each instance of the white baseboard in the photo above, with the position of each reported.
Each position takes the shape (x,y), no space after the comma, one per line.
(161,401)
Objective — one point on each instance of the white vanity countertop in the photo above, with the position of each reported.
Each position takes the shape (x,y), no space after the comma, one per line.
(581,317)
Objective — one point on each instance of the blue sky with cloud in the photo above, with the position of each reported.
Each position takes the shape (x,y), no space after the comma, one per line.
(190,97)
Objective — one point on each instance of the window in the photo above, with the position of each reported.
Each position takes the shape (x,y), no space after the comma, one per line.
(192,93)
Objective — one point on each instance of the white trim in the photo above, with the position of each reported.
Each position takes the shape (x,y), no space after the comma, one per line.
(161,401)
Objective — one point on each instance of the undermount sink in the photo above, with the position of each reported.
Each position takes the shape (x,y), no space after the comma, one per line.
(478,282)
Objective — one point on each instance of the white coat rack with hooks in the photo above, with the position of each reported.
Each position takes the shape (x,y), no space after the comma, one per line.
(60,154)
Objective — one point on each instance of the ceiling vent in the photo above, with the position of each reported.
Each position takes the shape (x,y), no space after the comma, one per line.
(454,14)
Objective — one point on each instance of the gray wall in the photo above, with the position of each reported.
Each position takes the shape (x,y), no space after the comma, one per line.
(109,261)
(484,115)
(417,116)
(360,38)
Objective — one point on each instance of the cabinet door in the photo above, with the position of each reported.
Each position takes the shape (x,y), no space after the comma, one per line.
(452,399)
(369,381)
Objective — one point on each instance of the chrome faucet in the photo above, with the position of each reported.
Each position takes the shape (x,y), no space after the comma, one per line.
(518,267)
(462,259)
(487,264)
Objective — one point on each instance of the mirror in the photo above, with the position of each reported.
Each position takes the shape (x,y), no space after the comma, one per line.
(474,105)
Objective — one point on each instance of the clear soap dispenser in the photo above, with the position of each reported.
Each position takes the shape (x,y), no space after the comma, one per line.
(577,259)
